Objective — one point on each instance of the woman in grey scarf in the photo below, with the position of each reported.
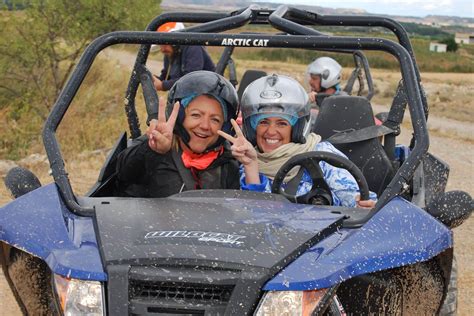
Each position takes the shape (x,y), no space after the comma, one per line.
(276,124)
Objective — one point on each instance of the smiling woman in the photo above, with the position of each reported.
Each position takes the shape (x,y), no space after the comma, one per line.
(272,132)
(204,116)
(276,120)
(183,151)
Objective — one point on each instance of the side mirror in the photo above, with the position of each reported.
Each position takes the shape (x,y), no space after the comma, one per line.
(451,208)
(21,181)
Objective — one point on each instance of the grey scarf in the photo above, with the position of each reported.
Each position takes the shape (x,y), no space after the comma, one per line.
(270,163)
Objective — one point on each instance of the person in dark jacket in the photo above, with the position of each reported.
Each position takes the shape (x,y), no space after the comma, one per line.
(183,151)
(180,60)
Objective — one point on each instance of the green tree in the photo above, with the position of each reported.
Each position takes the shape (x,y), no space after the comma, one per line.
(452,46)
(40,45)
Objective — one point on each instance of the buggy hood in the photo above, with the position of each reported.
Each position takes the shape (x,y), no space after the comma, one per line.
(208,228)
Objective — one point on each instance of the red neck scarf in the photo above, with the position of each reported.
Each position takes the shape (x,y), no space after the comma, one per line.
(200,161)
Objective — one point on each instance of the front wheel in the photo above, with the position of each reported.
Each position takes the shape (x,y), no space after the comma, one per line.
(415,289)
(30,279)
(450,303)
(335,308)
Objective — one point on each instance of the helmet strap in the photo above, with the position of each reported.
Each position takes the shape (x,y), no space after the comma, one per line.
(297,131)
(179,128)
(249,132)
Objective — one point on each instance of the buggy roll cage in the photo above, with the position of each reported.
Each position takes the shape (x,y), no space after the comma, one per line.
(360,62)
(284,18)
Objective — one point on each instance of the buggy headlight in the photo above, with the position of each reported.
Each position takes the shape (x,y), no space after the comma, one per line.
(297,303)
(78,297)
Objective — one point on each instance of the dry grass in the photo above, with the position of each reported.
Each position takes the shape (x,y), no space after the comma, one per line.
(450,95)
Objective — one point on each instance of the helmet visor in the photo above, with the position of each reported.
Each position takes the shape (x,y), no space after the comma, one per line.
(276,109)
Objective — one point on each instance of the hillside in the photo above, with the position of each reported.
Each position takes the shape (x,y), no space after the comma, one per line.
(228,5)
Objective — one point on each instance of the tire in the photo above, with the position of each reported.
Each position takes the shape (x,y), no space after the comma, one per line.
(415,289)
(5,251)
(335,308)
(31,279)
(450,303)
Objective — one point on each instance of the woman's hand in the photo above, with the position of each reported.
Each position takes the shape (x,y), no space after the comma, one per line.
(364,203)
(157,83)
(160,131)
(244,152)
(242,149)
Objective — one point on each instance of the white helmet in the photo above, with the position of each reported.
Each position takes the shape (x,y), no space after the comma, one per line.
(328,69)
(276,95)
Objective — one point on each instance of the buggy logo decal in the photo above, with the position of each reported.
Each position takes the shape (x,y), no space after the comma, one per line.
(270,94)
(201,236)
(244,42)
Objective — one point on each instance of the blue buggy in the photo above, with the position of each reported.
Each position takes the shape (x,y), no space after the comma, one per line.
(228,252)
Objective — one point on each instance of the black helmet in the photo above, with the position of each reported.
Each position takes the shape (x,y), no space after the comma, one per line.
(276,95)
(199,83)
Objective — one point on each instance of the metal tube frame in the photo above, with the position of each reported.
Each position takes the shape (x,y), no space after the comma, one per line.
(407,67)
(282,15)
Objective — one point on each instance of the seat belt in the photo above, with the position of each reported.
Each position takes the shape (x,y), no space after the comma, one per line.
(184,172)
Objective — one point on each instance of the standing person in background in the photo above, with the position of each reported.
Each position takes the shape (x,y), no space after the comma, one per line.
(324,76)
(180,60)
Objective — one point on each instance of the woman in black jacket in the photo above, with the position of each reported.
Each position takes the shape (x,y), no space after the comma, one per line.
(183,151)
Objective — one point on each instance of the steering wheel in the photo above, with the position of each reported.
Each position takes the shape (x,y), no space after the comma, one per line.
(320,192)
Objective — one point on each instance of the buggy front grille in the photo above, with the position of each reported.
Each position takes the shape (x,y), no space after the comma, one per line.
(198,293)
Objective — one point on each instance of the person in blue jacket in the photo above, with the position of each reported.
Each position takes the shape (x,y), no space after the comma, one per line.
(276,124)
(180,60)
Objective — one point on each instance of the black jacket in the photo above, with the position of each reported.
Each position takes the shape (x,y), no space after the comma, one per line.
(142,172)
(187,59)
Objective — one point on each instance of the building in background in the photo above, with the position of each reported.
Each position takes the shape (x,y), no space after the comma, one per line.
(438,47)
(464,38)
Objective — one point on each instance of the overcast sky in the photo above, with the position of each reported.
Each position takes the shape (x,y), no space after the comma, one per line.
(421,8)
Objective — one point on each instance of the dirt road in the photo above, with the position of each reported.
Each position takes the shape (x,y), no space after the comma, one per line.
(451,140)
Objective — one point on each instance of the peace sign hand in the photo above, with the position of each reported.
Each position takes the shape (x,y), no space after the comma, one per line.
(242,149)
(160,131)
